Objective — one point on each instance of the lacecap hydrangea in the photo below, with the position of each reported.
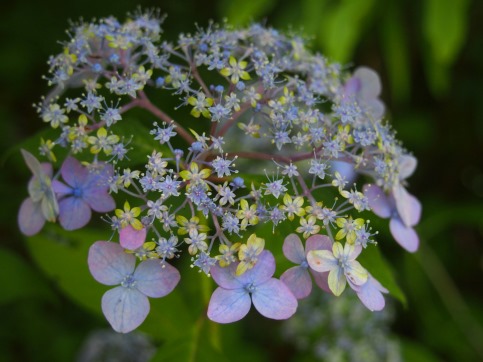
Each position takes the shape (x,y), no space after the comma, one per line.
(247,131)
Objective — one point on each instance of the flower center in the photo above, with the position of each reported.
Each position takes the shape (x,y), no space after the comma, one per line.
(129,281)
(77,192)
(250,288)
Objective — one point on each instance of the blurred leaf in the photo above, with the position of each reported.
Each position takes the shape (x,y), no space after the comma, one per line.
(416,353)
(395,49)
(62,255)
(19,280)
(374,262)
(444,27)
(312,11)
(193,346)
(241,12)
(341,28)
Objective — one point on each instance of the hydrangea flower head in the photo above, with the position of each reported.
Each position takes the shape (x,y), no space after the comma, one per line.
(127,306)
(232,300)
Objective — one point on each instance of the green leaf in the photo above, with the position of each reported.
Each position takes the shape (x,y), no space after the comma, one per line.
(396,51)
(416,352)
(19,280)
(342,28)
(240,12)
(62,255)
(374,262)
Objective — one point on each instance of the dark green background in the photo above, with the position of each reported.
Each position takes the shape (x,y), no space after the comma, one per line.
(430,57)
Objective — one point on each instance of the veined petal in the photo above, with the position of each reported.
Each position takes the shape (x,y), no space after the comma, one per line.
(125,308)
(370,294)
(225,277)
(74,213)
(61,189)
(322,280)
(318,242)
(228,305)
(322,260)
(273,299)
(73,172)
(155,279)
(404,235)
(297,279)
(30,218)
(404,205)
(356,273)
(130,238)
(293,249)
(261,272)
(108,263)
(337,281)
(99,200)
(378,201)
(337,249)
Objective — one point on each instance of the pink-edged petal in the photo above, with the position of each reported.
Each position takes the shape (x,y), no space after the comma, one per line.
(155,279)
(73,172)
(261,272)
(378,201)
(273,299)
(370,83)
(407,165)
(371,296)
(404,235)
(293,249)
(228,305)
(99,200)
(74,213)
(61,189)
(318,242)
(297,279)
(125,308)
(321,280)
(321,260)
(225,277)
(30,218)
(108,263)
(130,238)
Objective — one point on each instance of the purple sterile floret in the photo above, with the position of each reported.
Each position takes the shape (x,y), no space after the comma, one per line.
(402,208)
(298,278)
(370,293)
(130,238)
(84,190)
(127,306)
(231,301)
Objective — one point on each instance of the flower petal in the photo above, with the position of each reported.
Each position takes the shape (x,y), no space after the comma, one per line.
(356,273)
(378,201)
(125,308)
(293,249)
(74,213)
(108,263)
(370,83)
(99,200)
(227,306)
(61,189)
(321,260)
(407,165)
(261,272)
(155,279)
(321,280)
(273,299)
(131,238)
(297,279)
(225,277)
(404,235)
(73,172)
(337,281)
(370,294)
(30,218)
(408,207)
(318,242)
(415,207)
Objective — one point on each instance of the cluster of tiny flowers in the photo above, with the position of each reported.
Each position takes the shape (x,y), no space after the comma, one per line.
(258,102)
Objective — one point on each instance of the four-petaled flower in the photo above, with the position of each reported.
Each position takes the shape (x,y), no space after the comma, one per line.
(84,190)
(232,300)
(127,306)
(298,278)
(341,265)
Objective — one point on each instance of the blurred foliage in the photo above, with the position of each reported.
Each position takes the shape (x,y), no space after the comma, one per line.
(429,54)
